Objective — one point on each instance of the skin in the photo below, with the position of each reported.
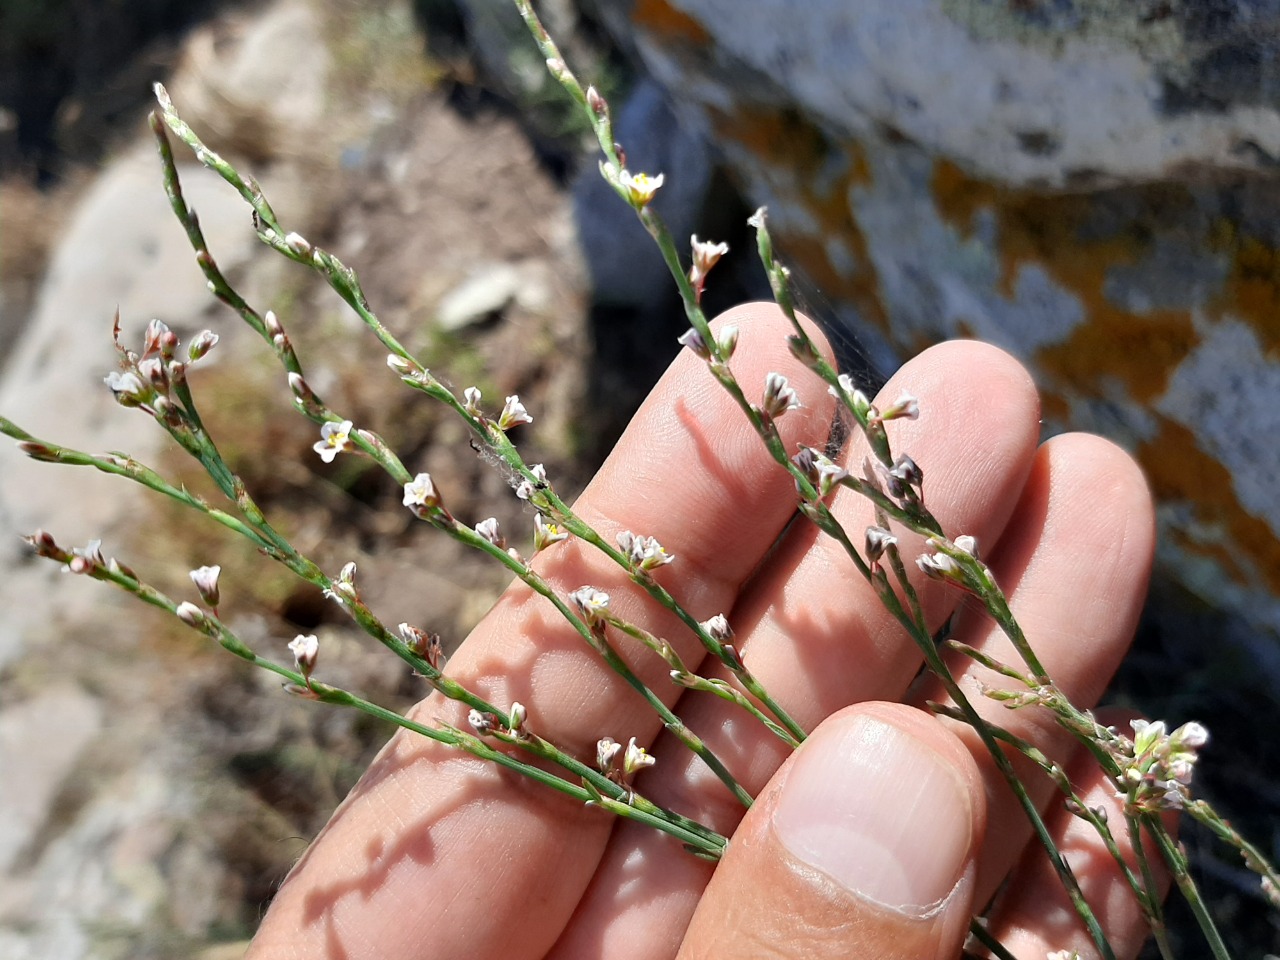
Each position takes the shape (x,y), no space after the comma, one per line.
(435,854)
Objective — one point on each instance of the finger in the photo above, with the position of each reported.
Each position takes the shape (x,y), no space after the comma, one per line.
(816,636)
(1036,918)
(861,846)
(1074,563)
(434,848)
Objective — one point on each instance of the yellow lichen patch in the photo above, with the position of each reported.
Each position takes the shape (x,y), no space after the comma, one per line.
(1252,289)
(817,176)
(1179,469)
(1141,350)
(668,23)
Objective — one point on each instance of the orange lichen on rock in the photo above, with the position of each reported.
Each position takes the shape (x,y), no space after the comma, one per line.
(1180,470)
(1139,349)
(1251,292)
(817,176)
(668,23)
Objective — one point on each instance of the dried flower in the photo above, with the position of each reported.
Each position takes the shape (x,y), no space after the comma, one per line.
(513,413)
(638,189)
(546,532)
(426,645)
(779,397)
(335,437)
(206,581)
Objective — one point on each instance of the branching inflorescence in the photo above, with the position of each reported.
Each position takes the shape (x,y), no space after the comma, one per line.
(1152,770)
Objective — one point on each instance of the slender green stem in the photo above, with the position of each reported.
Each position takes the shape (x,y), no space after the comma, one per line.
(1181,871)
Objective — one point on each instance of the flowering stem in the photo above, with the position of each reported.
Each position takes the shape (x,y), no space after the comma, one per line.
(1179,867)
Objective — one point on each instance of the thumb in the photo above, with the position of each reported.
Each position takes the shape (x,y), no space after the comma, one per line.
(862,845)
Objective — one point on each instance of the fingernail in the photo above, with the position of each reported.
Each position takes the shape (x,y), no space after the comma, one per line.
(879,812)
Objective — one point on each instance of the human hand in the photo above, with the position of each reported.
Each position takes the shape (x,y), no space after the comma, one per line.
(884,833)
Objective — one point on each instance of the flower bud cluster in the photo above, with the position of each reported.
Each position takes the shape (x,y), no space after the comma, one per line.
(643,553)
(621,764)
(1159,772)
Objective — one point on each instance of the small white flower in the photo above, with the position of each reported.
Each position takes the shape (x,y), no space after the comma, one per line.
(298,244)
(206,581)
(878,541)
(513,414)
(334,438)
(966,543)
(488,529)
(128,387)
(546,532)
(420,495)
(518,715)
(201,344)
(692,339)
(718,628)
(189,614)
(608,752)
(471,401)
(639,188)
(591,603)
(644,553)
(705,256)
(482,723)
(779,397)
(906,407)
(527,488)
(305,649)
(728,340)
(636,758)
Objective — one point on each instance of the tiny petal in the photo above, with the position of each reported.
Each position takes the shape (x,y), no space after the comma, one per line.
(206,581)
(608,751)
(420,495)
(546,532)
(128,387)
(636,758)
(298,244)
(201,344)
(334,438)
(518,715)
(189,614)
(718,628)
(878,540)
(591,603)
(513,414)
(906,407)
(305,649)
(481,722)
(488,529)
(639,188)
(692,339)
(779,397)
(471,401)
(526,488)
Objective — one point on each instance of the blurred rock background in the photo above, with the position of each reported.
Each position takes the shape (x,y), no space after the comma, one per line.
(1086,184)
